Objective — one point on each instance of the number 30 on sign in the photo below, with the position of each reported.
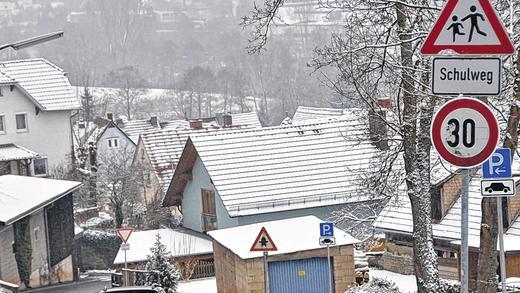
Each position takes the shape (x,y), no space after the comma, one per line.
(465,132)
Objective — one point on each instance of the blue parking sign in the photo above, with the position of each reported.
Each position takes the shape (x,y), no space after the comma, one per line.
(498,165)
(326,229)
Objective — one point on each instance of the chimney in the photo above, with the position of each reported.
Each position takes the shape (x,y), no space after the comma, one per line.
(384,103)
(153,121)
(110,116)
(119,122)
(377,125)
(228,120)
(195,124)
(218,117)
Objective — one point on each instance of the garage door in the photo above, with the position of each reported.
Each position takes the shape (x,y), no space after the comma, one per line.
(299,276)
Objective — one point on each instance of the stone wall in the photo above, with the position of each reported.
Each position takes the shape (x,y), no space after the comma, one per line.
(401,264)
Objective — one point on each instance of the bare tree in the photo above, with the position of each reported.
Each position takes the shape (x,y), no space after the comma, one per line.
(377,56)
(116,185)
(130,85)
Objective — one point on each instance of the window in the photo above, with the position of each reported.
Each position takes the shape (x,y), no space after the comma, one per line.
(21,122)
(113,143)
(1,92)
(2,124)
(40,166)
(36,233)
(209,214)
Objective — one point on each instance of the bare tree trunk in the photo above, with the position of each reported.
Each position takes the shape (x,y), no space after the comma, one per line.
(417,164)
(487,257)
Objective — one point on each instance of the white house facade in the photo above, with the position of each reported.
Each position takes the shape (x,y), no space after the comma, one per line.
(36,103)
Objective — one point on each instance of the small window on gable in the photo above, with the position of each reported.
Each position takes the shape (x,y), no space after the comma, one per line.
(113,142)
(21,122)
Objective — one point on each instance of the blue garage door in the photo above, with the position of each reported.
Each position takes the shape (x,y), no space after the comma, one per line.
(299,276)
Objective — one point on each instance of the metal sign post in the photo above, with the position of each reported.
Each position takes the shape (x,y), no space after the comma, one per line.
(125,247)
(465,133)
(501,243)
(327,238)
(266,273)
(464,233)
(499,167)
(330,273)
(264,243)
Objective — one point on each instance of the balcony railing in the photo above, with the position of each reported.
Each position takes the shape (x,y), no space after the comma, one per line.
(209,222)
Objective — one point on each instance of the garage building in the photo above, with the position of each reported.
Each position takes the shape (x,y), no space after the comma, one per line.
(299,265)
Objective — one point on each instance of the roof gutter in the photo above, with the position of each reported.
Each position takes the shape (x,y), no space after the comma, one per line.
(40,206)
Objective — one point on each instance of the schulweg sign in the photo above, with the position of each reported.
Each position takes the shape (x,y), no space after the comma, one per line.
(467,76)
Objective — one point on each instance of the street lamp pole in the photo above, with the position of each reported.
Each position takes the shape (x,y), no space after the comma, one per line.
(33,41)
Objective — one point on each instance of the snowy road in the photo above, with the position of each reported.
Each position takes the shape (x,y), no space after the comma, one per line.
(87,285)
(94,285)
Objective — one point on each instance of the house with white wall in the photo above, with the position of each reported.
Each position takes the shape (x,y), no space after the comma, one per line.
(36,103)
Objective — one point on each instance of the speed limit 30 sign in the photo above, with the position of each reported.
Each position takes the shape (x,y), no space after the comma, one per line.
(465,132)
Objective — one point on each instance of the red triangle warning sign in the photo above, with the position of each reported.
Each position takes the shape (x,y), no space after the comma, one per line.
(263,242)
(124,233)
(468,27)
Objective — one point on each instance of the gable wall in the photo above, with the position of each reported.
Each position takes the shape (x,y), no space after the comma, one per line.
(125,150)
(192,201)
(141,161)
(49,133)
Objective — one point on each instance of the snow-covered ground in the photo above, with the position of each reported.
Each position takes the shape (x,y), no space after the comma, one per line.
(208,285)
(405,283)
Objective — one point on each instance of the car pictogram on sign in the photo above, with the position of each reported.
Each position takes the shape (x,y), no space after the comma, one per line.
(497,186)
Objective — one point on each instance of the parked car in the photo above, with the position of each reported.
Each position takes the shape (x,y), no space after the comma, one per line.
(137,289)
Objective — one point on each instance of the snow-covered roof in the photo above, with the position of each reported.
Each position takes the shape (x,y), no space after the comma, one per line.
(133,128)
(397,215)
(22,195)
(13,152)
(289,235)
(45,83)
(178,243)
(164,149)
(246,119)
(307,113)
(319,163)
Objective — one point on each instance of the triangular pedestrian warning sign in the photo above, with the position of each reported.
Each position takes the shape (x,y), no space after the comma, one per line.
(263,242)
(124,233)
(468,27)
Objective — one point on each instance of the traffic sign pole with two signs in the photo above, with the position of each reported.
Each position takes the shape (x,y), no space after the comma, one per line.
(327,239)
(465,131)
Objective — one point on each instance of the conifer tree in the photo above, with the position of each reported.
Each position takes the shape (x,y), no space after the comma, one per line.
(162,272)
